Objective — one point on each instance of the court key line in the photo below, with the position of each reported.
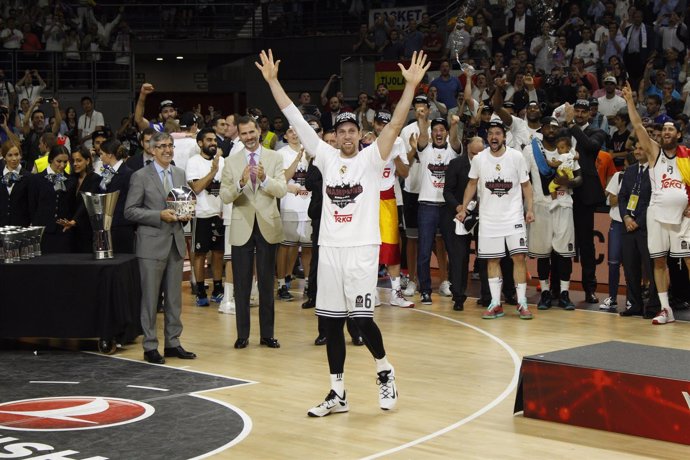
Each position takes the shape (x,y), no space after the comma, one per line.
(509,389)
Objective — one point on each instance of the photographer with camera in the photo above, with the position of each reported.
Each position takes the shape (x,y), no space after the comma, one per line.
(26,87)
(33,128)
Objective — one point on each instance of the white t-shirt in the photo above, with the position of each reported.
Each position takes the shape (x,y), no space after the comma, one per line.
(207,204)
(433,166)
(88,125)
(610,107)
(499,190)
(15,38)
(388,179)
(412,180)
(668,192)
(185,148)
(350,213)
(293,208)
(614,187)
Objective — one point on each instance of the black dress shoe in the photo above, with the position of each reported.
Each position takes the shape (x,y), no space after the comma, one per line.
(631,312)
(511,299)
(154,357)
(591,298)
(270,342)
(241,343)
(459,305)
(309,303)
(358,341)
(320,340)
(178,352)
(483,302)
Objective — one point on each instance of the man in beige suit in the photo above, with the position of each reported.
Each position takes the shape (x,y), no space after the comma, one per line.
(253,180)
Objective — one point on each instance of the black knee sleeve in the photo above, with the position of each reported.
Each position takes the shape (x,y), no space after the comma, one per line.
(372,336)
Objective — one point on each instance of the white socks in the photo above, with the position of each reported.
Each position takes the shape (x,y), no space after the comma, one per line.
(495,288)
(338,384)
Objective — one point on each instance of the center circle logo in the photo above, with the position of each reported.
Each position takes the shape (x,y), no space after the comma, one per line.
(71,413)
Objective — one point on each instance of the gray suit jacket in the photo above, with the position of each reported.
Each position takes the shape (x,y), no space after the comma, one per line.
(145,201)
(249,204)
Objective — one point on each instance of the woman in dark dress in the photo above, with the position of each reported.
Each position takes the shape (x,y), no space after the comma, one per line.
(70,127)
(14,188)
(86,180)
(115,177)
(50,201)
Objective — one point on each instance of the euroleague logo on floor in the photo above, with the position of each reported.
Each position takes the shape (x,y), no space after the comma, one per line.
(70,413)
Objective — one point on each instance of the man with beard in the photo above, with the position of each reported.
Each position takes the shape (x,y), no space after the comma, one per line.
(586,141)
(208,232)
(552,229)
(350,237)
(167,110)
(495,175)
(668,214)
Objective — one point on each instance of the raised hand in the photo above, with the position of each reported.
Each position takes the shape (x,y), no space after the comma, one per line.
(146,89)
(418,67)
(626,92)
(268,66)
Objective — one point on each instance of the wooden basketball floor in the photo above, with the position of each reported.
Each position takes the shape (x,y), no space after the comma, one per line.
(456,375)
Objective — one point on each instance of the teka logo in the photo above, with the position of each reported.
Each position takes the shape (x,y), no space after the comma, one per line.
(71,413)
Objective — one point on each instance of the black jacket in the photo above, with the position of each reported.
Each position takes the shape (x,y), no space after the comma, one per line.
(14,207)
(455,184)
(120,182)
(314,183)
(46,205)
(589,142)
(644,195)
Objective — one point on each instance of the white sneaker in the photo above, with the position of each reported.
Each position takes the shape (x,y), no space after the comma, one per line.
(444,289)
(388,394)
(608,304)
(254,296)
(227,306)
(398,300)
(332,405)
(410,289)
(664,317)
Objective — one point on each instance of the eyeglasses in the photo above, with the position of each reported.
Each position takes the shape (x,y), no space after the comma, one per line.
(164,146)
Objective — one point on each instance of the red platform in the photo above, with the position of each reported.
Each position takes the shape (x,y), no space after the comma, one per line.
(613,386)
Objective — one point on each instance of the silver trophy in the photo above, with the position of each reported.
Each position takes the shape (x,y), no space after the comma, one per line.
(101,207)
(182,200)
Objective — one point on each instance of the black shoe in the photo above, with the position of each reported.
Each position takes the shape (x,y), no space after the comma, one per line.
(591,298)
(545,301)
(484,302)
(651,313)
(284,294)
(178,352)
(358,341)
(564,301)
(154,357)
(309,303)
(320,340)
(426,298)
(631,312)
(511,299)
(270,342)
(241,343)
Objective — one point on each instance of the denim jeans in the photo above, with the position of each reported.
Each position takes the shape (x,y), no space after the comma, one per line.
(428,219)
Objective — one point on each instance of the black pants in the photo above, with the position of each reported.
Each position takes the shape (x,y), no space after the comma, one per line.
(635,255)
(458,248)
(583,217)
(242,268)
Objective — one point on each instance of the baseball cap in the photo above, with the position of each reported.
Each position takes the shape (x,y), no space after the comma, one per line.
(593,101)
(497,123)
(550,121)
(508,105)
(584,103)
(439,121)
(167,103)
(345,117)
(187,120)
(610,79)
(382,117)
(421,99)
(99,133)
(676,124)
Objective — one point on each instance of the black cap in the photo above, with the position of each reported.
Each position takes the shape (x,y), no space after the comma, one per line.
(439,121)
(584,103)
(383,117)
(497,123)
(593,101)
(421,99)
(187,120)
(508,105)
(550,121)
(99,133)
(345,117)
(167,103)
(487,108)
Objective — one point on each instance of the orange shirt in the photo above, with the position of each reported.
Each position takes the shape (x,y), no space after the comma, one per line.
(605,167)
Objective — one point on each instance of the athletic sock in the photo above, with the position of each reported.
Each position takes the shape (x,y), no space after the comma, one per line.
(495,288)
(565,286)
(338,384)
(663,299)
(545,285)
(395,283)
(217,286)
(521,289)
(201,289)
(228,292)
(281,282)
(383,365)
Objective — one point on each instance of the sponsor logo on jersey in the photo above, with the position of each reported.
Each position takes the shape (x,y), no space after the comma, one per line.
(359,301)
(499,186)
(386,173)
(343,194)
(342,218)
(300,177)
(670,182)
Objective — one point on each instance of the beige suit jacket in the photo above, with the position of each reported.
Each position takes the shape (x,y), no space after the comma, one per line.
(249,204)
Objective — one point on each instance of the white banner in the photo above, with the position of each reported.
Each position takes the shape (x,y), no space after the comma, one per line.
(402,15)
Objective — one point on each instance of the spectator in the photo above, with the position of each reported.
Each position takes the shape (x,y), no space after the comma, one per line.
(482,37)
(437,109)
(610,103)
(393,49)
(54,34)
(27,89)
(413,39)
(364,42)
(167,110)
(7,91)
(433,42)
(11,36)
(613,44)
(618,142)
(379,31)
(447,85)
(72,45)
(90,121)
(588,51)
(103,27)
(30,42)
(672,33)
(518,21)
(640,43)
(33,128)
(543,48)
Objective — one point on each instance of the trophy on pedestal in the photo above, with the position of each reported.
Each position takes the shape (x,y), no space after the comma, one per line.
(101,207)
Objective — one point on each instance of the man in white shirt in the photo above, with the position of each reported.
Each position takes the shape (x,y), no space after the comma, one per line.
(11,36)
(587,50)
(610,103)
(26,88)
(90,121)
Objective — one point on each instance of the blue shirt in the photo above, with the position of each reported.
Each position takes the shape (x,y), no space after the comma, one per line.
(448,90)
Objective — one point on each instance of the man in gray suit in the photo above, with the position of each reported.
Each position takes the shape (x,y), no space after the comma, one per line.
(160,247)
(253,180)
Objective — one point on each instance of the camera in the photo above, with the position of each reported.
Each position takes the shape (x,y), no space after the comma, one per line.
(47,100)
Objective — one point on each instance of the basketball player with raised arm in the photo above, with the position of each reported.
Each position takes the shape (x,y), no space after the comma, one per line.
(668,215)
(349,236)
